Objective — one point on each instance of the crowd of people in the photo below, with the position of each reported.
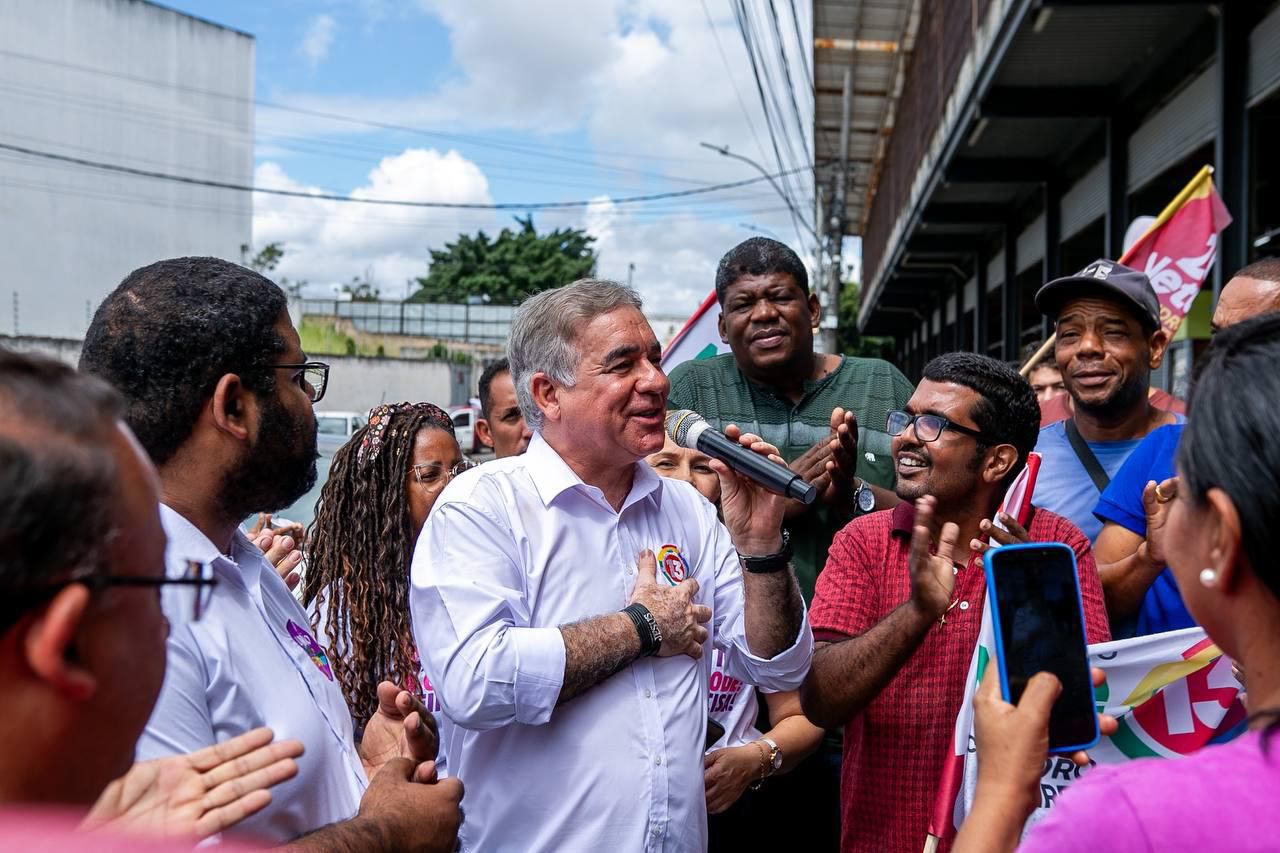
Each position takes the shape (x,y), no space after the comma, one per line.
(613,642)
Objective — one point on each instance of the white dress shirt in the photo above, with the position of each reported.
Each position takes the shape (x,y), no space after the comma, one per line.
(250,661)
(510,552)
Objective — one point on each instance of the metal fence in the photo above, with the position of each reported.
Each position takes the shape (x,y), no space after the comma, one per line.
(476,323)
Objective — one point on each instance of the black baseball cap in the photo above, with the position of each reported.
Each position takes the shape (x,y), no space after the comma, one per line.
(1130,287)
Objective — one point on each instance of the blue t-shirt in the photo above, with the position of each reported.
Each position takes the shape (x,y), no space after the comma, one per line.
(1064,486)
(1162,608)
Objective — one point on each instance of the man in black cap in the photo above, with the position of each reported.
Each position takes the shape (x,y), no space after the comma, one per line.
(1109,339)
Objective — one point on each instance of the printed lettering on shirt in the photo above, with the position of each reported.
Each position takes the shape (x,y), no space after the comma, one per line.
(724,688)
(303,638)
(672,566)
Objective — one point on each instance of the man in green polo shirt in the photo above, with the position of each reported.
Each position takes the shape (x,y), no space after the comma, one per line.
(826,413)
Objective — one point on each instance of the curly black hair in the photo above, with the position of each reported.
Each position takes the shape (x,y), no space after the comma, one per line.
(358,553)
(58,477)
(759,256)
(171,330)
(1007,411)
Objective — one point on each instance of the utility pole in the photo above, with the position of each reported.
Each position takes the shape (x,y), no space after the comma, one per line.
(631,271)
(836,224)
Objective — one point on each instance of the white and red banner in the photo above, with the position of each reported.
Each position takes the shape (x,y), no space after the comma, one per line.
(699,338)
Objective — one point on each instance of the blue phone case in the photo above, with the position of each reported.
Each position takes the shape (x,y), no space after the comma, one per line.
(994,608)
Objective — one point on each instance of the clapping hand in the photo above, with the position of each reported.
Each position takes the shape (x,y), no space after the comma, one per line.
(933,576)
(1012,534)
(402,727)
(200,793)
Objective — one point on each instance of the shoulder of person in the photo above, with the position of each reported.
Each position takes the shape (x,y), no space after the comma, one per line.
(716,366)
(866,533)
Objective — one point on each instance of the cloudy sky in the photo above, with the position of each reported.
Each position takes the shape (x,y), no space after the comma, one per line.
(497,101)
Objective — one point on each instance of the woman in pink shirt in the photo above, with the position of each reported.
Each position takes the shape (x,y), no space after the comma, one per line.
(1218,537)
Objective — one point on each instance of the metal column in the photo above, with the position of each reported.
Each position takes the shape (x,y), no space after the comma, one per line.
(1012,304)
(1231,151)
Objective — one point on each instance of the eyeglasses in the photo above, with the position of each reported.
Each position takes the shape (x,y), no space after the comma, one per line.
(434,476)
(928,426)
(193,589)
(312,377)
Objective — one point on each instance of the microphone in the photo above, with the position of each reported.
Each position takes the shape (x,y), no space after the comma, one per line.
(691,430)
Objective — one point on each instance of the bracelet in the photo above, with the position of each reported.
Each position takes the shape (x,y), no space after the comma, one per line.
(769,563)
(646,627)
(764,766)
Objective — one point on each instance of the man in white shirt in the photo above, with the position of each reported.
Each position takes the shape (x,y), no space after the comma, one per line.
(220,395)
(571,665)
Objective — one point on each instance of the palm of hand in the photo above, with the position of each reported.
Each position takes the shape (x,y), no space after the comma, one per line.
(161,797)
(383,740)
(935,581)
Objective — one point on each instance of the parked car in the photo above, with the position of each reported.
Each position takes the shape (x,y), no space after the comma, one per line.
(464,427)
(333,429)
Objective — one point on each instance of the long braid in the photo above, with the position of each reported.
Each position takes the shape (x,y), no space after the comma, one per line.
(358,553)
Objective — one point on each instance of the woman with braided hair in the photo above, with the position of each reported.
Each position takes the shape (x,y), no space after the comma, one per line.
(382,484)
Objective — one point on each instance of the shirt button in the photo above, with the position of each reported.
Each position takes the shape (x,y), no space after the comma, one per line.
(655,832)
(648,694)
(658,761)
(964,605)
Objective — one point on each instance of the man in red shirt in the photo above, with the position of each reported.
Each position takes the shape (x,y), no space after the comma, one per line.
(898,608)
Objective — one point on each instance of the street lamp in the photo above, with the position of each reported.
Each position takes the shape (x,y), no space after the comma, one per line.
(724,151)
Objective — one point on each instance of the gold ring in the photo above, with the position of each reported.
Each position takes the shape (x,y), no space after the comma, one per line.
(1161,497)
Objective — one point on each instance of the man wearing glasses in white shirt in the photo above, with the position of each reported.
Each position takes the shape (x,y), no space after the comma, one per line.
(566,600)
(220,394)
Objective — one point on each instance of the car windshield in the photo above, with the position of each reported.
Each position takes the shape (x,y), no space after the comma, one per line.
(331,424)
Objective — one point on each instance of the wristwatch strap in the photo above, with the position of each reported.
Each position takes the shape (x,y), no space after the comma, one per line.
(769,563)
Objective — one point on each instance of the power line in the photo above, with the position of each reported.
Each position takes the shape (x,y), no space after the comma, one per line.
(733,80)
(226,185)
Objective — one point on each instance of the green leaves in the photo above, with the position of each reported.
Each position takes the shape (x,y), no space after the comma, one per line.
(506,270)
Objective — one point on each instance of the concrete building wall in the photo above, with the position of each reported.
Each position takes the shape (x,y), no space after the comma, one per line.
(355,384)
(124,82)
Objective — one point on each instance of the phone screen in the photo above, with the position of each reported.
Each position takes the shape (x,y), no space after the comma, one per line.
(1040,623)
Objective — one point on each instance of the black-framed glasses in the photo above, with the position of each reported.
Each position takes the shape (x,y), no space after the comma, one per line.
(433,475)
(928,426)
(193,589)
(312,377)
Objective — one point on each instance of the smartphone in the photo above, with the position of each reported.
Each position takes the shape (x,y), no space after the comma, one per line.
(1034,595)
(715,731)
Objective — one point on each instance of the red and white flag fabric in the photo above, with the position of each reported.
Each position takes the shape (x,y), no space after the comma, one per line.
(1178,251)
(699,338)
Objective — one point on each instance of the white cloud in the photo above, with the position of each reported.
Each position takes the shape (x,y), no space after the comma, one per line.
(318,38)
(643,77)
(328,242)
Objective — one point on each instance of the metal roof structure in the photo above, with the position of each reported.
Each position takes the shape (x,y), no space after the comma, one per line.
(872,40)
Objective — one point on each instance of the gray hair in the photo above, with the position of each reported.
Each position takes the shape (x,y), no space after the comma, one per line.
(544,334)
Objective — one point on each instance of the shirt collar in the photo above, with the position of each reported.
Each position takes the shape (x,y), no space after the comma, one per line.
(187,542)
(904,518)
(551,475)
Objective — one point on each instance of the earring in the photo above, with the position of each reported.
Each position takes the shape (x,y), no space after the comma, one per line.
(1208,578)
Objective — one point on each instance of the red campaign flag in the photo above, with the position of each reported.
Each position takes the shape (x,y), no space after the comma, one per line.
(1178,251)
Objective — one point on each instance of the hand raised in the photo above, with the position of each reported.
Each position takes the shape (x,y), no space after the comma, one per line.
(200,793)
(401,727)
(678,618)
(933,575)
(1156,500)
(1013,534)
(842,464)
(282,552)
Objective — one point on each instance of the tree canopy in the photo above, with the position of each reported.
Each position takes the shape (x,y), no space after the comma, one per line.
(506,269)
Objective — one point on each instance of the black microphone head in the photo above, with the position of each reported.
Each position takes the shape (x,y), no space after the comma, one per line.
(680,423)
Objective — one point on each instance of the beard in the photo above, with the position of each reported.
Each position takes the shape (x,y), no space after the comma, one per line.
(278,469)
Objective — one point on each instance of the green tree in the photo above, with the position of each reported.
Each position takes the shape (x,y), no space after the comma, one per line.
(850,340)
(362,289)
(506,270)
(267,258)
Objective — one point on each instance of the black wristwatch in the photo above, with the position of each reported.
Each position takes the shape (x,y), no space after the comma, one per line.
(864,500)
(769,563)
